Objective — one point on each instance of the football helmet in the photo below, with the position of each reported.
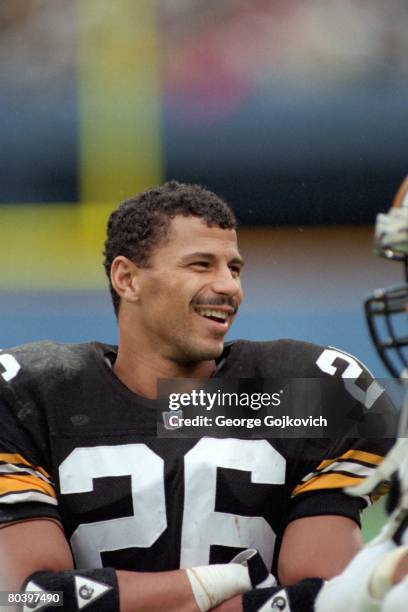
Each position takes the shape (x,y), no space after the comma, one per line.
(386,309)
(386,312)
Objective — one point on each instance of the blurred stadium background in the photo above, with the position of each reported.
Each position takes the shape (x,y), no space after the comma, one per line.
(296,111)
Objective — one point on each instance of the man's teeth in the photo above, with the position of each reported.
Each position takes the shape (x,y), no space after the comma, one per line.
(209,312)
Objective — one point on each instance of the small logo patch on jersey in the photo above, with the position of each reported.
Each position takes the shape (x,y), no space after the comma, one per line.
(79,419)
(87,591)
(172,419)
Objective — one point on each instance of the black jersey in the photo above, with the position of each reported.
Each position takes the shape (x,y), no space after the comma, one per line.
(78,446)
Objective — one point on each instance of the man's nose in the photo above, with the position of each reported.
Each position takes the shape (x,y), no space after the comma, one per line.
(224,282)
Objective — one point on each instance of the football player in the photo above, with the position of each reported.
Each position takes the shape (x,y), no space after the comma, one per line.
(377,579)
(95,506)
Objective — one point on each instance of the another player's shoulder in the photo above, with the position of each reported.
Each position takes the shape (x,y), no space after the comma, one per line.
(288,358)
(45,363)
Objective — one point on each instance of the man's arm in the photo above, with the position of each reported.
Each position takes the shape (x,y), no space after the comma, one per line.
(317,546)
(31,546)
(37,550)
(40,545)
(312,547)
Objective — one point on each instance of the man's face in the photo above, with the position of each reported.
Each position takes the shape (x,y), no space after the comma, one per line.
(190,292)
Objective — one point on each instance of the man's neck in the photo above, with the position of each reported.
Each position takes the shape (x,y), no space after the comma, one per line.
(140,373)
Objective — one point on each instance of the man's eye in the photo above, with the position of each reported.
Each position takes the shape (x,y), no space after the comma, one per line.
(235,270)
(200,264)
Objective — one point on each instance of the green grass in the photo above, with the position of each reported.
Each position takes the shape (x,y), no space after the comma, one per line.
(373,519)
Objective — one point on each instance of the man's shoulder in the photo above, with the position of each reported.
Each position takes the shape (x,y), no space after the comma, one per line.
(283,357)
(45,363)
(285,345)
(50,354)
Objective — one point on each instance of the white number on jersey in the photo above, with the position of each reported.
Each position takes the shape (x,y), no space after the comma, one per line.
(146,470)
(202,525)
(350,376)
(10,365)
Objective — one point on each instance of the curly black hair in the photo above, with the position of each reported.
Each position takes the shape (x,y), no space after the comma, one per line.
(142,222)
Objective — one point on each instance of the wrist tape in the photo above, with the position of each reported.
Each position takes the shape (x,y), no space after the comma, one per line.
(93,590)
(213,584)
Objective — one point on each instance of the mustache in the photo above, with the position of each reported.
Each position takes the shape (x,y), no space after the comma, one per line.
(217,301)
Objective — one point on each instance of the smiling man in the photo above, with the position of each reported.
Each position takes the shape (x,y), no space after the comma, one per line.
(108,512)
(177,305)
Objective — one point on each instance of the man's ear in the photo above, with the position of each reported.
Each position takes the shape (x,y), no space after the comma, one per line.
(124,276)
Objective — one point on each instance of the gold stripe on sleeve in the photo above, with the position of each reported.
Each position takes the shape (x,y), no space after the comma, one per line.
(356,455)
(17,459)
(17,483)
(326,481)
